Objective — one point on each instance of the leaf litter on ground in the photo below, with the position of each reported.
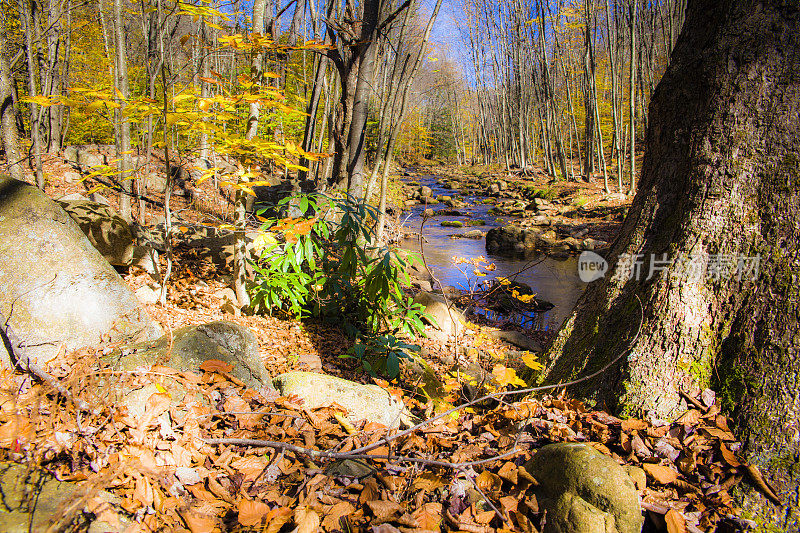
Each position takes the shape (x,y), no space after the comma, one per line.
(146,443)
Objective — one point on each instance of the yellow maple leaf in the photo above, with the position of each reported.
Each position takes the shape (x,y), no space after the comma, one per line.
(506,376)
(530,361)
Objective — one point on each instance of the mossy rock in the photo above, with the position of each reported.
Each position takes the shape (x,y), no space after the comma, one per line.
(452,224)
(584,491)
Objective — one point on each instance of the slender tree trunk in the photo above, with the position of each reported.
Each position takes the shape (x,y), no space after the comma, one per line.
(36,133)
(632,96)
(718,197)
(8,119)
(358,133)
(240,203)
(122,97)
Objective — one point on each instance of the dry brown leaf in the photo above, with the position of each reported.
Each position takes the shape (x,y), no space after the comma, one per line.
(719,433)
(143,491)
(429,516)
(690,417)
(633,424)
(370,491)
(251,512)
(761,484)
(427,482)
(332,515)
(250,466)
(728,455)
(509,472)
(509,503)
(488,481)
(485,517)
(15,431)
(235,404)
(307,520)
(215,365)
(676,523)
(200,518)
(383,509)
(277,518)
(661,474)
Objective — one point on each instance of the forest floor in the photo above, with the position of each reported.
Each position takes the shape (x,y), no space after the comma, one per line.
(464,471)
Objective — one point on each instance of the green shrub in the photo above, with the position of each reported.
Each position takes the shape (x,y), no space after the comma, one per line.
(313,266)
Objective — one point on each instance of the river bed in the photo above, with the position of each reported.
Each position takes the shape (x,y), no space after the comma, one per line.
(552,279)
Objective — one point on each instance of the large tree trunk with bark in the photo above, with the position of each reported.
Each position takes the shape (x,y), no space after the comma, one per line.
(719,183)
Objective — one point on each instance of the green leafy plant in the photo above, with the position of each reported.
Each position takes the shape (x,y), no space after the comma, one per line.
(287,276)
(322,263)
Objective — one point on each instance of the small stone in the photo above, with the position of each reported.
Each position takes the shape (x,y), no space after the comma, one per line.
(71,176)
(448,320)
(146,295)
(187,476)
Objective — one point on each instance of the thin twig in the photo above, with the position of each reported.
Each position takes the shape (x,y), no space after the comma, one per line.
(17,351)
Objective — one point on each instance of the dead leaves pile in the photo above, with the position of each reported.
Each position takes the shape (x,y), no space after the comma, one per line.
(145,445)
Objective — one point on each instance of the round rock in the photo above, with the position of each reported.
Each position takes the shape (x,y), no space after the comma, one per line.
(584,491)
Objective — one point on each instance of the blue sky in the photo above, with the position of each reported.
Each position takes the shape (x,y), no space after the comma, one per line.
(445,35)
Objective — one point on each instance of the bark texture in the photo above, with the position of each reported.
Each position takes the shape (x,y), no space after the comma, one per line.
(719,182)
(8,118)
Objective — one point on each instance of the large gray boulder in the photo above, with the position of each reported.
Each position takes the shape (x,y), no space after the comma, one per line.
(511,239)
(55,288)
(362,402)
(105,229)
(584,491)
(187,348)
(448,319)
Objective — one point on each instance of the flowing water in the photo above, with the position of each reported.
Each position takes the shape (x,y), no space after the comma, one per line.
(552,279)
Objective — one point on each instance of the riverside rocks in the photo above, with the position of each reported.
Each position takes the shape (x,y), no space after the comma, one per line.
(517,239)
(548,221)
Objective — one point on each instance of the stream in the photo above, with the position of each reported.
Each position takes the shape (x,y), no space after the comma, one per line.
(552,279)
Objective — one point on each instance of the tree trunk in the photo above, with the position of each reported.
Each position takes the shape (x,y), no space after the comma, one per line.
(123,95)
(8,119)
(358,133)
(36,133)
(632,96)
(718,186)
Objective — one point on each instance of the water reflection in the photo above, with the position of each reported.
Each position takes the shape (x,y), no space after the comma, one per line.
(554,280)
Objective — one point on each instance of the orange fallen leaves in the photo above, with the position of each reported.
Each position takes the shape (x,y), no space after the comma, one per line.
(252,512)
(661,474)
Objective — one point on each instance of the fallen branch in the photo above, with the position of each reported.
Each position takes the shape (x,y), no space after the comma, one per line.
(361,453)
(16,351)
